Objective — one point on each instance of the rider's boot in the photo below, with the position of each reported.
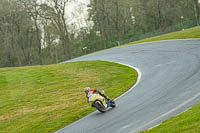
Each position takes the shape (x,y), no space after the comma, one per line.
(108,99)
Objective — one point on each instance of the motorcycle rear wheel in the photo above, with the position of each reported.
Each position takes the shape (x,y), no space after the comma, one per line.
(99,106)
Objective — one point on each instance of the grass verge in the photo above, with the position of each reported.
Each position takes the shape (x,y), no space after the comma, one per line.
(41,99)
(184,34)
(186,122)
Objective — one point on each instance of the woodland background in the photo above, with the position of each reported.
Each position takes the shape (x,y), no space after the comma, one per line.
(36,33)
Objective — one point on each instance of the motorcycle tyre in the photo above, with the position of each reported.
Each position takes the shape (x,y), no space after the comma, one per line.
(113,105)
(100,107)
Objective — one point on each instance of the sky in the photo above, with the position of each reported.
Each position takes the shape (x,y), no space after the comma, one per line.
(77,11)
(76,14)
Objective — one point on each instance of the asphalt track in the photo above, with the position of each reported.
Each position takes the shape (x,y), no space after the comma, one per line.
(169,85)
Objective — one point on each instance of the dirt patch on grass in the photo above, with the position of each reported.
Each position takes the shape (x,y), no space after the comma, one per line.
(17,113)
(24,111)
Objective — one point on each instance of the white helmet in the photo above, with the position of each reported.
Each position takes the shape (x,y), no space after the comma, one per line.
(86,89)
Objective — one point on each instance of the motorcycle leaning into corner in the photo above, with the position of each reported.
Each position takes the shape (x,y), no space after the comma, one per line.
(100,102)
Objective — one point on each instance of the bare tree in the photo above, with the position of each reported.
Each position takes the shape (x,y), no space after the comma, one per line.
(197,10)
(57,13)
(32,7)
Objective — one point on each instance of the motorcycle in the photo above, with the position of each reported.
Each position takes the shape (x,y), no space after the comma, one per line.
(100,102)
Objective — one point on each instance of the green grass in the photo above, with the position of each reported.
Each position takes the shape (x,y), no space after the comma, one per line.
(187,122)
(188,33)
(41,99)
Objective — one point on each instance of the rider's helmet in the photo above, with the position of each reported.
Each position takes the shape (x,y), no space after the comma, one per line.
(86,89)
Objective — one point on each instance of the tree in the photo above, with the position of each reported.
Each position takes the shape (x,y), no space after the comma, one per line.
(55,10)
(197,10)
(32,7)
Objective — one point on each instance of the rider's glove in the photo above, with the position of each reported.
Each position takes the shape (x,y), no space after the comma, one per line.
(96,90)
(102,92)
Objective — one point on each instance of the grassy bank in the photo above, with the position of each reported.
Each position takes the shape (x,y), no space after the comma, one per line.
(184,34)
(41,99)
(187,122)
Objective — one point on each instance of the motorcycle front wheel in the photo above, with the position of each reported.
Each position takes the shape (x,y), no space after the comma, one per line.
(112,104)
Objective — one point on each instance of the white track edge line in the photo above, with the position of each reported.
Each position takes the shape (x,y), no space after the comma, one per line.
(137,69)
(168,113)
(137,82)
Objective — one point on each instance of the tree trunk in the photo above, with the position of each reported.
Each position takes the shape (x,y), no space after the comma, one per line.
(197,11)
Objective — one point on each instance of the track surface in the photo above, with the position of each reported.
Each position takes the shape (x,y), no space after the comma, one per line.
(170,84)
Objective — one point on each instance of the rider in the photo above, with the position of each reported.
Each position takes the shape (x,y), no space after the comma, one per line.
(93,90)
